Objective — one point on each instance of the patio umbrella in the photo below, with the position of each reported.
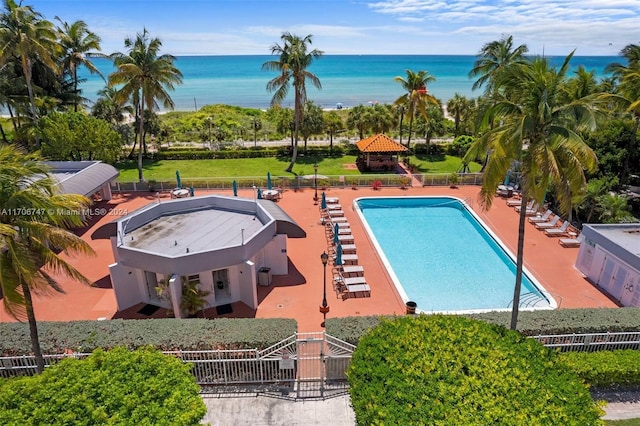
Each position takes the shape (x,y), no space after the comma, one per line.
(269,180)
(178,179)
(506,178)
(259,194)
(336,229)
(323,202)
(338,259)
(235,188)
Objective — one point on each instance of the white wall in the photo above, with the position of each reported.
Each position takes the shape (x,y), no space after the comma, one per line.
(125,285)
(247,284)
(276,255)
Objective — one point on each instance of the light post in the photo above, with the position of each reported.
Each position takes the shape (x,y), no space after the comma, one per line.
(315,184)
(209,120)
(324,308)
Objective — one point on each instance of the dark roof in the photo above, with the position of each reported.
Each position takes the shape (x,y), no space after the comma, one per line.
(81,177)
(380,143)
(284,223)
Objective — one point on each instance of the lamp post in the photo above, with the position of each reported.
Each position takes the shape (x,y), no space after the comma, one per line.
(209,120)
(315,184)
(324,308)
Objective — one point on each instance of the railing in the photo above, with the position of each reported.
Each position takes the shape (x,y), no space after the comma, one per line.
(294,183)
(250,366)
(590,342)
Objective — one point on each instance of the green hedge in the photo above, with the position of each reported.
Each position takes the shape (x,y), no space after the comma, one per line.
(182,153)
(606,369)
(530,323)
(452,370)
(117,387)
(164,334)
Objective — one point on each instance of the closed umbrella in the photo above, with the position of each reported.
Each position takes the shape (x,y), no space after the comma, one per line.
(507,177)
(259,194)
(178,179)
(338,259)
(234,185)
(336,228)
(269,180)
(323,202)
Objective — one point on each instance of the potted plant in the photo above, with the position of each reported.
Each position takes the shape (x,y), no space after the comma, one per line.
(405,182)
(376,184)
(453,180)
(193,297)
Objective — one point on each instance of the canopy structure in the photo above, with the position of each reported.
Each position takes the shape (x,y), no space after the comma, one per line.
(379,152)
(83,177)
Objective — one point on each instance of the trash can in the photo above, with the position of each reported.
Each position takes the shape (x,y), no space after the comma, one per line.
(411,307)
(264,277)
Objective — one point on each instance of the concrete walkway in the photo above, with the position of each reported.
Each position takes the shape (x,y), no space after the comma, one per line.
(255,409)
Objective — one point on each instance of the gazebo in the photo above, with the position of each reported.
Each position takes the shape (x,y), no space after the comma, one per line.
(378,153)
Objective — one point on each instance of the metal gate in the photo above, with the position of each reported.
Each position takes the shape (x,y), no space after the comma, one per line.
(322,362)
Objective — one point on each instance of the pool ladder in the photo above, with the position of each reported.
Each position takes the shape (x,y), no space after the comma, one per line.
(529,300)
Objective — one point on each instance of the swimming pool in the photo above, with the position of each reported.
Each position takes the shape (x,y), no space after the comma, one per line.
(441,256)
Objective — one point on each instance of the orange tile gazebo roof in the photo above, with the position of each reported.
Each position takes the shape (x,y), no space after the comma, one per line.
(380,143)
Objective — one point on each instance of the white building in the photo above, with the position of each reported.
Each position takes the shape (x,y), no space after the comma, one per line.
(609,256)
(222,245)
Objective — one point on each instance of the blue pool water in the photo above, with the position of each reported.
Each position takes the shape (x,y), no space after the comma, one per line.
(442,257)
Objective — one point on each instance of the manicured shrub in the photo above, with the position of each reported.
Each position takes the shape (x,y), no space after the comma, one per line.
(606,369)
(115,387)
(530,323)
(164,334)
(451,370)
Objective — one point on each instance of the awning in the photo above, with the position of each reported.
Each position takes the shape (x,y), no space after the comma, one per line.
(81,177)
(284,223)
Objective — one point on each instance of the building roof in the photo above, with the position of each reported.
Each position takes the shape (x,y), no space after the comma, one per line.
(380,143)
(622,239)
(184,234)
(81,177)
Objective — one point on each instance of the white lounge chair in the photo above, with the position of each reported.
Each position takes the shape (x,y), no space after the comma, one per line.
(349,269)
(531,208)
(345,238)
(331,200)
(571,242)
(333,213)
(334,207)
(558,232)
(550,224)
(543,218)
(512,202)
(348,248)
(350,259)
(335,220)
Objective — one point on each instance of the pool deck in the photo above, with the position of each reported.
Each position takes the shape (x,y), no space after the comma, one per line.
(299,294)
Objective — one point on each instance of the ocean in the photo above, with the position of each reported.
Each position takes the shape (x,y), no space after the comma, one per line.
(347,79)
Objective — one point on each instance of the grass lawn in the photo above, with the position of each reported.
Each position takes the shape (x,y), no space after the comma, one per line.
(165,170)
(630,422)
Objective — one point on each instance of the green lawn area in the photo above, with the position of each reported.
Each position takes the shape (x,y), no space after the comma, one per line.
(164,170)
(630,422)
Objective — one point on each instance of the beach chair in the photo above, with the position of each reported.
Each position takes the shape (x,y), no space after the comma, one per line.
(348,248)
(349,270)
(540,219)
(558,232)
(350,259)
(532,209)
(571,242)
(550,224)
(512,202)
(335,220)
(332,200)
(335,213)
(334,207)
(345,238)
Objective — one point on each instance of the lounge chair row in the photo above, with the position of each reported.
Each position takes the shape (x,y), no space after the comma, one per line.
(348,277)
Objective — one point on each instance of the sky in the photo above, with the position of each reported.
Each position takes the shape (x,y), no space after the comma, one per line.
(251,27)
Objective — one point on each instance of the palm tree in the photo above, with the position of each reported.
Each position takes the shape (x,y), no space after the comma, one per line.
(493,58)
(615,208)
(76,41)
(146,78)
(33,232)
(458,107)
(332,124)
(293,64)
(627,96)
(539,130)
(26,36)
(416,96)
(356,120)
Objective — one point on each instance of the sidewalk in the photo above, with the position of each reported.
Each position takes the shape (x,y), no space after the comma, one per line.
(254,409)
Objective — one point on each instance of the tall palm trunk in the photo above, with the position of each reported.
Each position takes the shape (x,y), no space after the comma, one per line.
(296,124)
(519,261)
(33,328)
(624,176)
(410,130)
(75,89)
(141,134)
